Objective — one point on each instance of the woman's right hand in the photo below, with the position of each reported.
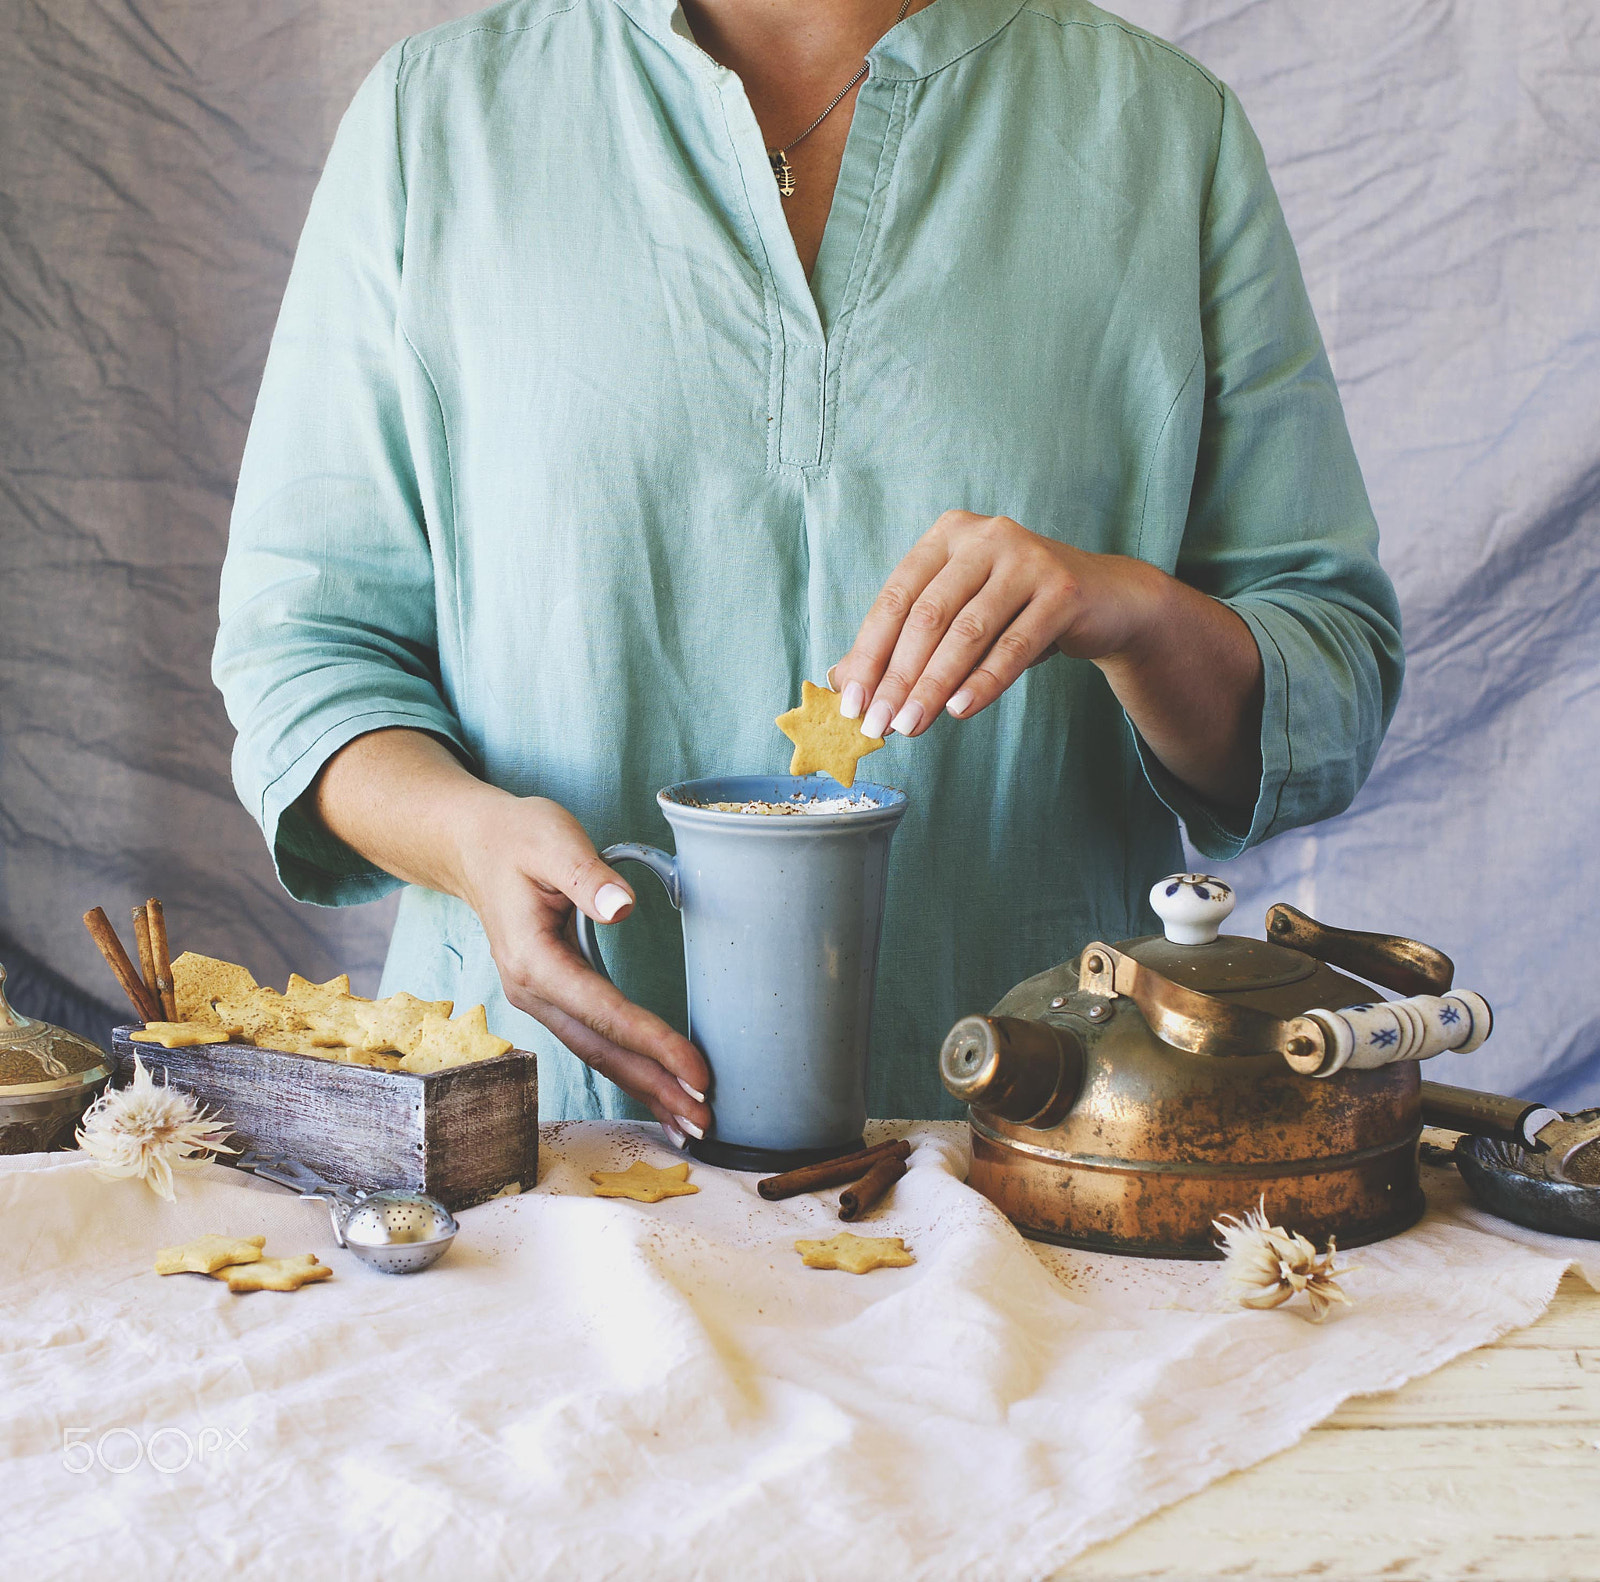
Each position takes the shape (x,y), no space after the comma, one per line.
(404,801)
(525,863)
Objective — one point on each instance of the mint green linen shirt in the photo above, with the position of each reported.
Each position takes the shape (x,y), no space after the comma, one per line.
(559,456)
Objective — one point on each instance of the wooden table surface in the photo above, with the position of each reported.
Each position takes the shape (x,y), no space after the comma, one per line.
(1488,1468)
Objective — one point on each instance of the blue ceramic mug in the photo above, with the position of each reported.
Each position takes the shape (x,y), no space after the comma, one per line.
(782,915)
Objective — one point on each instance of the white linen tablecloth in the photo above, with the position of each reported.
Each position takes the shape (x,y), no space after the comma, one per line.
(587,1388)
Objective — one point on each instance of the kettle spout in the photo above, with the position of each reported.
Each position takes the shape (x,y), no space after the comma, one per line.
(1026,1072)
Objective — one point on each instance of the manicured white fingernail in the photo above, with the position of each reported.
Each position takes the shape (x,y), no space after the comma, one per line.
(852,700)
(689,1126)
(908,719)
(609,900)
(674,1136)
(960,703)
(694,1093)
(877,720)
(829,677)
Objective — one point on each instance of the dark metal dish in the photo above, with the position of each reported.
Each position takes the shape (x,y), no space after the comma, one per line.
(1504,1180)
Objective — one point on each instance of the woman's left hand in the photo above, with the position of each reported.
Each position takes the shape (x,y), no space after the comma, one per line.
(976,602)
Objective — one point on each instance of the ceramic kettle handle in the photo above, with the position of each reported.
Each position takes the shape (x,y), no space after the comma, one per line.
(1365,1037)
(665,868)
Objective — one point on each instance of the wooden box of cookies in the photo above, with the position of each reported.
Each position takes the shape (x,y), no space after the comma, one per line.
(464,1133)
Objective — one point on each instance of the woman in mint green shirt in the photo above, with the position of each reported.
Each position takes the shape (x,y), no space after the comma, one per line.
(580,444)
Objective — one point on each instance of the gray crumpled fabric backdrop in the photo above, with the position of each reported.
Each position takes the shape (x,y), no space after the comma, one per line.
(1440,165)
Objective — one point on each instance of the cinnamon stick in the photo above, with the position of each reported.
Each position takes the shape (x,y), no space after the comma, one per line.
(147,962)
(870,1189)
(830,1172)
(163,960)
(105,937)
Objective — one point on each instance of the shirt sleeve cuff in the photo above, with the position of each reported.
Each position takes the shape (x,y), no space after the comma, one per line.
(312,864)
(1209,832)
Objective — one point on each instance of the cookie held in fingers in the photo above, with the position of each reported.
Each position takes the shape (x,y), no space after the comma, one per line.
(275,1274)
(207,1254)
(643,1183)
(823,738)
(855,1254)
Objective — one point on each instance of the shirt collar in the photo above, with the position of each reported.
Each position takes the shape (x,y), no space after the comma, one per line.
(938,35)
(926,42)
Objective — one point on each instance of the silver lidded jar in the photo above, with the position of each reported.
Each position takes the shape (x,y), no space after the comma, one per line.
(48,1078)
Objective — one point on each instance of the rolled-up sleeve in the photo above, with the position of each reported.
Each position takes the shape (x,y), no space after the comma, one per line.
(1279,526)
(328,626)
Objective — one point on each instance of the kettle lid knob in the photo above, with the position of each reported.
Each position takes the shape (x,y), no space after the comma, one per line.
(1191,906)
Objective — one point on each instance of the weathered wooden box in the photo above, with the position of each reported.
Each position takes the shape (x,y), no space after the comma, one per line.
(462,1134)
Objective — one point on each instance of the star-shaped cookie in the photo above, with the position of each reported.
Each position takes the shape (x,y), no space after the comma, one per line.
(304,992)
(643,1183)
(258,1015)
(180,1035)
(209,1253)
(275,1274)
(441,1042)
(855,1254)
(823,738)
(380,1026)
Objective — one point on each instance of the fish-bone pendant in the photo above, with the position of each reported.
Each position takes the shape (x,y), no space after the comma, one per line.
(784,172)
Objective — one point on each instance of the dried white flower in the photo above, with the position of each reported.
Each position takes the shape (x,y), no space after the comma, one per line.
(145,1131)
(1267,1265)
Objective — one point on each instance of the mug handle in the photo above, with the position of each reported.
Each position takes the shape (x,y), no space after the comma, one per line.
(665,868)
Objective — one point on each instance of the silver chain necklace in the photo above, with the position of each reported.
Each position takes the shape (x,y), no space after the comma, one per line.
(778,158)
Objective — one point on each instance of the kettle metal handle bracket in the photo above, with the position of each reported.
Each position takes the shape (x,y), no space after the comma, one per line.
(1198,1023)
(1318,1044)
(1406,966)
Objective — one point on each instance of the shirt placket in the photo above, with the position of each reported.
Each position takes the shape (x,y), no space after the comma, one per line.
(808,312)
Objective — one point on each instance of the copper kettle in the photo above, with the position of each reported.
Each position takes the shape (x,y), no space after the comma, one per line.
(1125,1099)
